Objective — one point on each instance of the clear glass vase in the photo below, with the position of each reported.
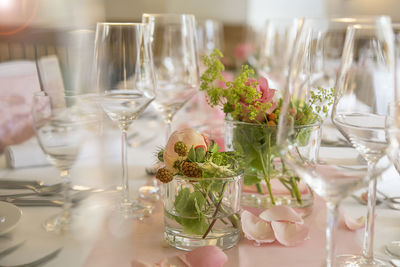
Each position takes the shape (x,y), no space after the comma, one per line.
(267,180)
(202,211)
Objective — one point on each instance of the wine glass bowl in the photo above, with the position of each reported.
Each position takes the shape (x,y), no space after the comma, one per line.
(60,131)
(175,53)
(210,36)
(174,45)
(275,49)
(322,57)
(363,90)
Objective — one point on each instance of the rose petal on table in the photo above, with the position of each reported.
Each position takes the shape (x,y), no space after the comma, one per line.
(207,256)
(353,224)
(281,214)
(162,263)
(290,234)
(256,229)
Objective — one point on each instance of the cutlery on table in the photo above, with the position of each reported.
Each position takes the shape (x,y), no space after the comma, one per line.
(391,202)
(29,184)
(37,262)
(10,249)
(41,191)
(26,184)
(75,198)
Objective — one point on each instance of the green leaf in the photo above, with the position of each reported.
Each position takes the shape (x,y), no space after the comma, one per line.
(214,147)
(189,204)
(251,180)
(200,154)
(189,207)
(193,226)
(192,155)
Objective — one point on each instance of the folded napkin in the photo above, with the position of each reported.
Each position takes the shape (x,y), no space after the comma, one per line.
(27,154)
(18,82)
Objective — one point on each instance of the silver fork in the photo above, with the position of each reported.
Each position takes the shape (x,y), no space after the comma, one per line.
(42,191)
(37,262)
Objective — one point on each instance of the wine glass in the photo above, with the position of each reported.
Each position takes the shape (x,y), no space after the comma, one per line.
(275,49)
(61,123)
(363,91)
(393,130)
(126,84)
(210,36)
(332,178)
(174,45)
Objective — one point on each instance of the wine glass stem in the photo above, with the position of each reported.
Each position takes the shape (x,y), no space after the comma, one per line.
(125,182)
(66,182)
(368,246)
(331,226)
(168,130)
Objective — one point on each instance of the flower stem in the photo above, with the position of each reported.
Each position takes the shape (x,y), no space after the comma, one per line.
(296,190)
(215,212)
(259,188)
(267,171)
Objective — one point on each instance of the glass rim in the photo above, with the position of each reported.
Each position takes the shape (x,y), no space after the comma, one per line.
(88,95)
(236,177)
(121,24)
(166,15)
(317,123)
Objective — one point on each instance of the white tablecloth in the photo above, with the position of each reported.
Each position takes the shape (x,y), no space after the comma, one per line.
(83,246)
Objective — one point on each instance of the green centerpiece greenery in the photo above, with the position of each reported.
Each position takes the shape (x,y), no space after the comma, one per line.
(204,175)
(253,109)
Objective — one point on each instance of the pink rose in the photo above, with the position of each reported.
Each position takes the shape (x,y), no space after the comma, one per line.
(267,95)
(188,136)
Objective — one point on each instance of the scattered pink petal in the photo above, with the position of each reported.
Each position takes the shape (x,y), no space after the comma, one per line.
(137,263)
(256,229)
(281,214)
(208,256)
(290,234)
(353,224)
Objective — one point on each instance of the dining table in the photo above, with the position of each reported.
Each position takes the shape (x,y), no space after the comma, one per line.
(100,237)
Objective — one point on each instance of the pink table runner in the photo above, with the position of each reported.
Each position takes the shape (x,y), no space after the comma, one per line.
(119,243)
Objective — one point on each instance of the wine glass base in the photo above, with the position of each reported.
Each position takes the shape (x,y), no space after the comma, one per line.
(58,224)
(393,249)
(149,192)
(359,261)
(135,210)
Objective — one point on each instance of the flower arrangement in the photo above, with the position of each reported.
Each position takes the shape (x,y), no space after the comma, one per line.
(198,202)
(250,101)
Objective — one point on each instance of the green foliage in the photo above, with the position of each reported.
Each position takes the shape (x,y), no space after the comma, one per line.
(189,206)
(322,100)
(237,92)
(257,146)
(200,154)
(193,207)
(241,98)
(192,155)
